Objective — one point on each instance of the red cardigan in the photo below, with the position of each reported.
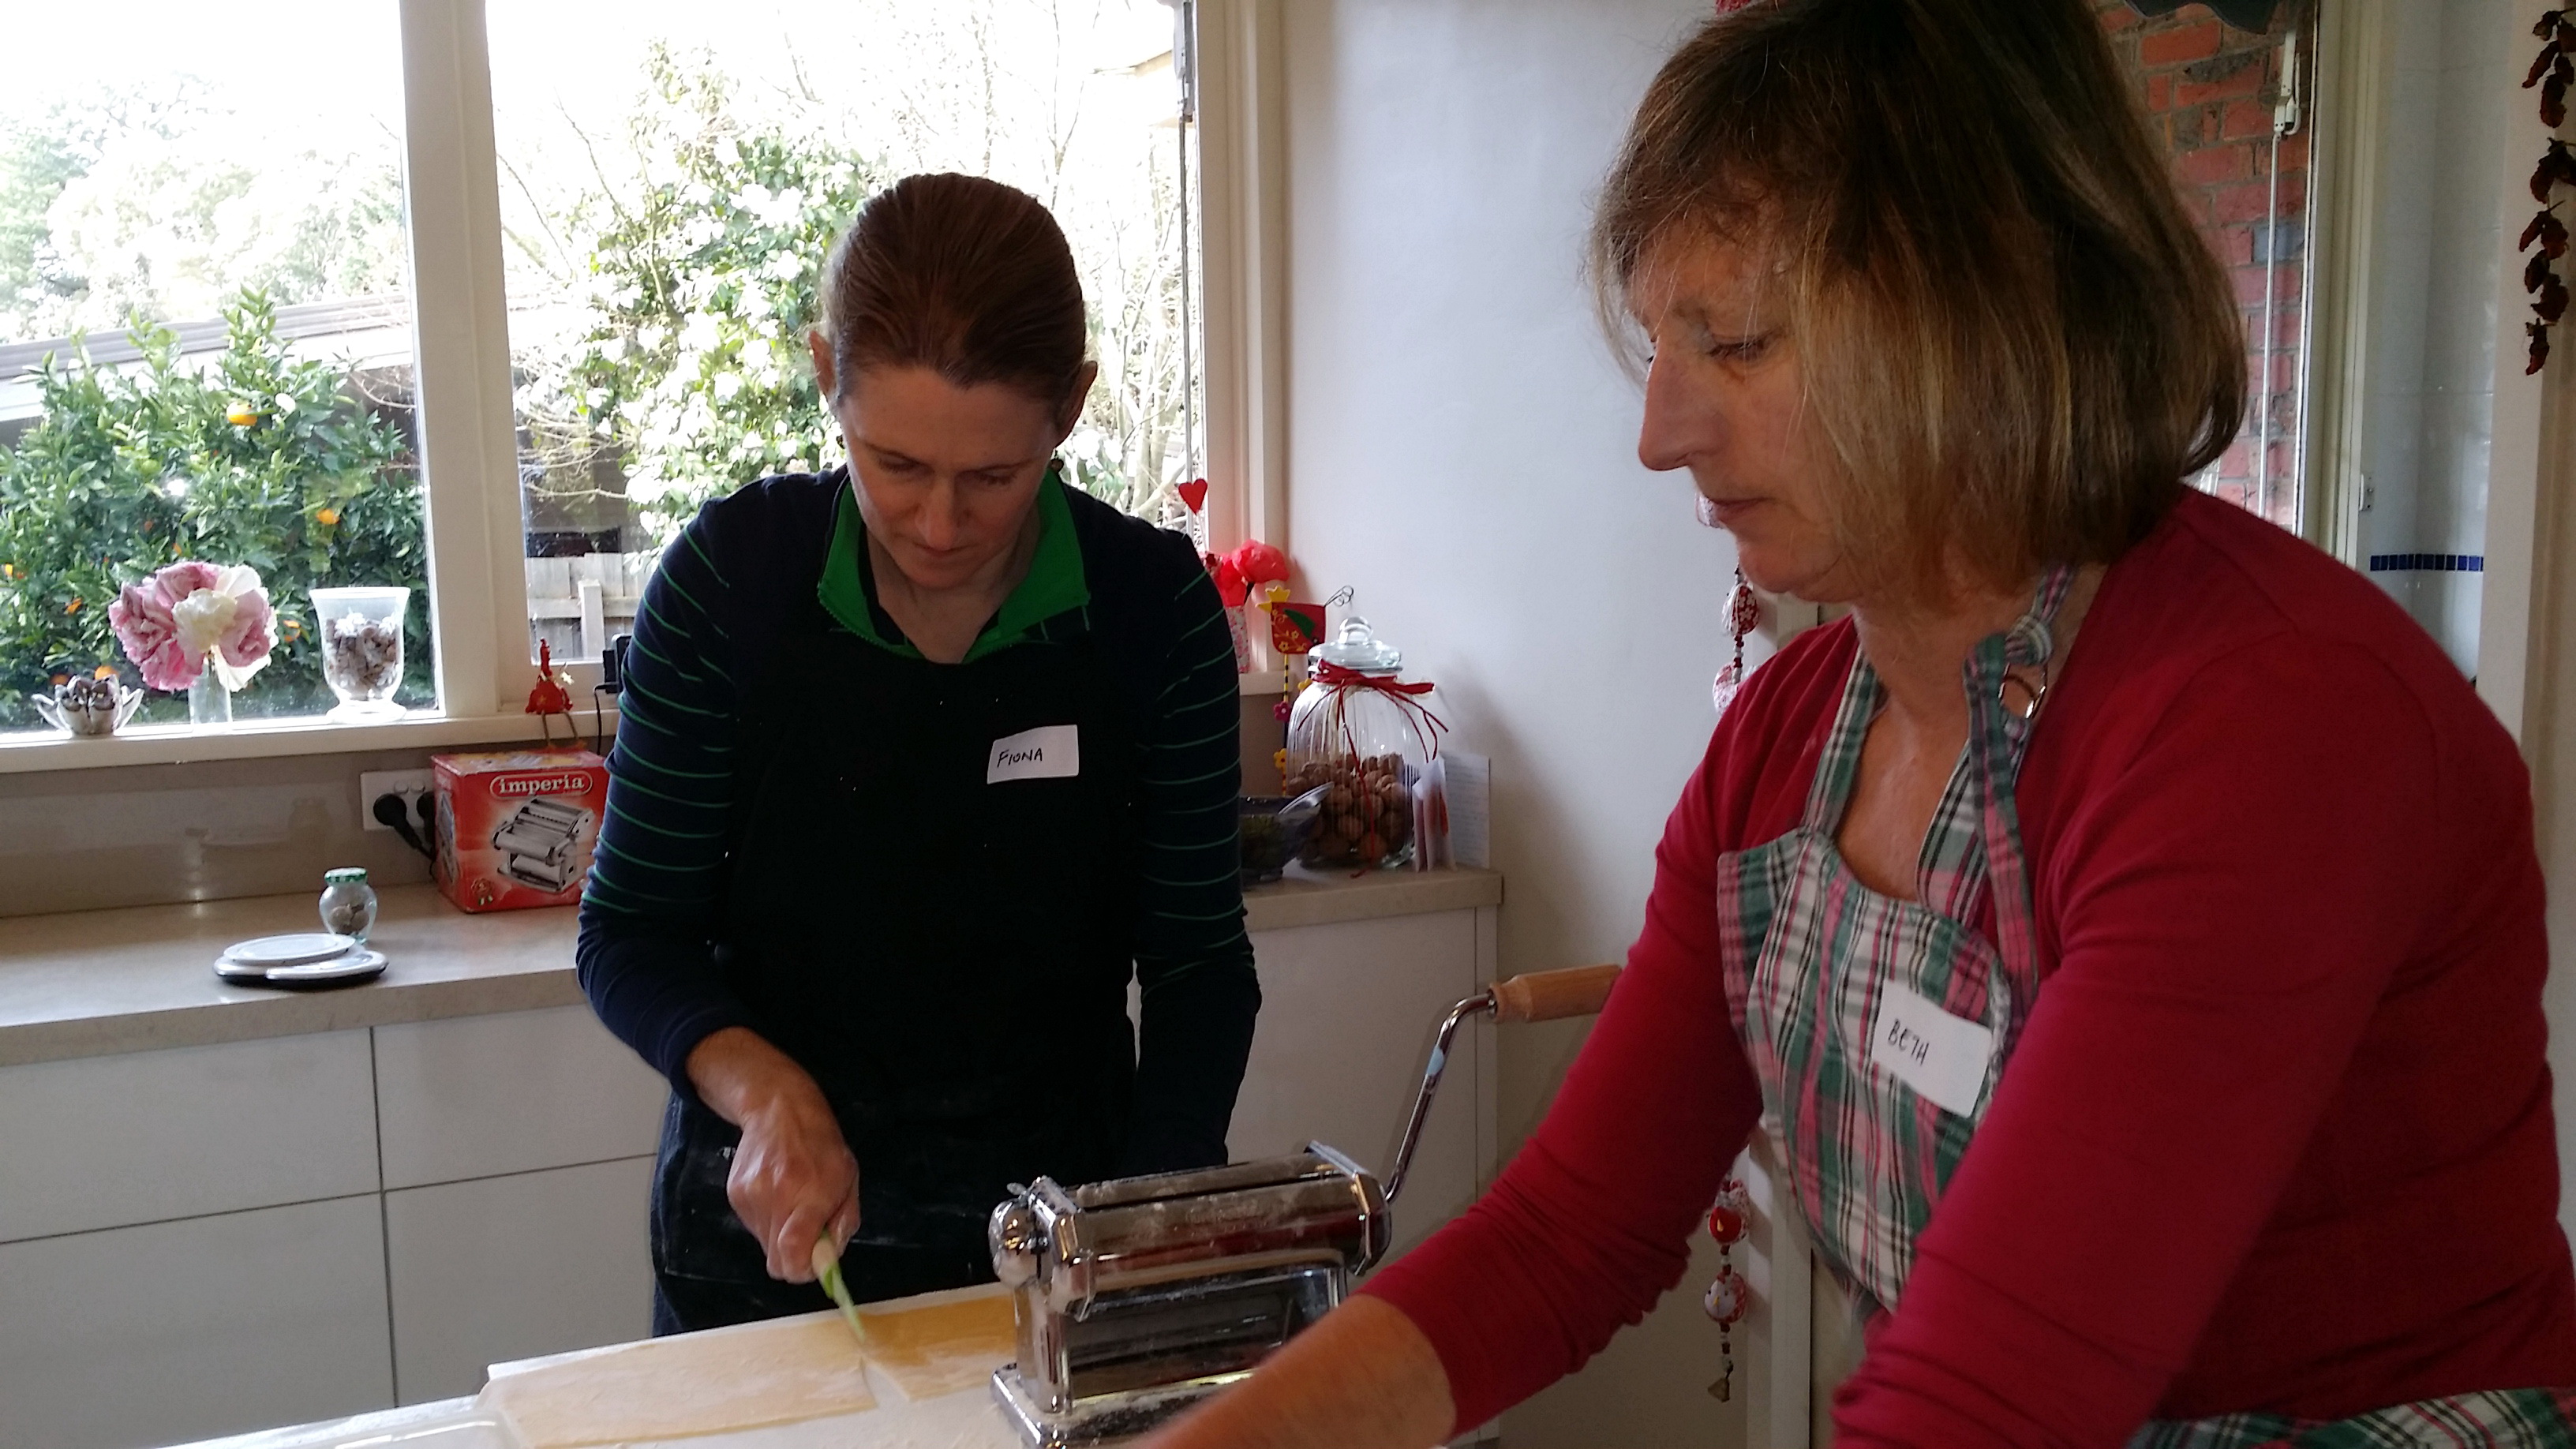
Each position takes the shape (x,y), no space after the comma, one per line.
(2278,1133)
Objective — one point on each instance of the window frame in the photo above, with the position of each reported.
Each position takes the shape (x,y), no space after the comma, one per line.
(467,429)
(1238,91)
(2532,451)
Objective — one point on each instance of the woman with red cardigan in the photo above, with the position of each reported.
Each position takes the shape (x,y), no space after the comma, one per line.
(2125,925)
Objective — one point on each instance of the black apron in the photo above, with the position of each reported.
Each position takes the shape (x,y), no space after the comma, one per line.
(948,958)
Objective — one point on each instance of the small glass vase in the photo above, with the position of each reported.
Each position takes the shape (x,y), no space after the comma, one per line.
(210,705)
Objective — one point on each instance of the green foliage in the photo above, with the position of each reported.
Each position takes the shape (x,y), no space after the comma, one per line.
(703,284)
(130,470)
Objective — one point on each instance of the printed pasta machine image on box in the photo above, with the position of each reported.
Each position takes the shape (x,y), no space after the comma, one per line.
(538,842)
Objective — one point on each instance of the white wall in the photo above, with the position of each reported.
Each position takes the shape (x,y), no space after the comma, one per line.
(1463,451)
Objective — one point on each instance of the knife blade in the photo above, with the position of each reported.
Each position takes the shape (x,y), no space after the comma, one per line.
(827,1270)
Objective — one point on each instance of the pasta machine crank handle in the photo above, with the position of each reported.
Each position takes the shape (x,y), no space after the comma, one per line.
(1531,996)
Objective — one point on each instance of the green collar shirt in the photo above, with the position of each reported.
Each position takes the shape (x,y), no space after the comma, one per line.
(1055,583)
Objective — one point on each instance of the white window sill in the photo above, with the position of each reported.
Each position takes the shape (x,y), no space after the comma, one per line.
(32,751)
(268,739)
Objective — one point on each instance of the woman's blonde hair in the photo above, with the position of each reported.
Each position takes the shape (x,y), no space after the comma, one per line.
(2016,344)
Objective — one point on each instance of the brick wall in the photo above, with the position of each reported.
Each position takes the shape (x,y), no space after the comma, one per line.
(2208,90)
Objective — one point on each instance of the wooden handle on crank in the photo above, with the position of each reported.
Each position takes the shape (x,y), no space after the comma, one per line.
(1549,995)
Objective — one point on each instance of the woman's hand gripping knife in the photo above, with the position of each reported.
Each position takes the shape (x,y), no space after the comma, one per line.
(793,1182)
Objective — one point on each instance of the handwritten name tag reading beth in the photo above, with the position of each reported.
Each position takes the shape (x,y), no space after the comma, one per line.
(1942,1056)
(1049,752)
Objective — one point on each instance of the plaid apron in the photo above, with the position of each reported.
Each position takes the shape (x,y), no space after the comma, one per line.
(1826,979)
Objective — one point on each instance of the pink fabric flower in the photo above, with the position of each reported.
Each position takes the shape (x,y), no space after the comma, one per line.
(150,633)
(188,615)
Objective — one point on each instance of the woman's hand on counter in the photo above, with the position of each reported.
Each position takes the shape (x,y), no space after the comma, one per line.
(1362,1378)
(793,1179)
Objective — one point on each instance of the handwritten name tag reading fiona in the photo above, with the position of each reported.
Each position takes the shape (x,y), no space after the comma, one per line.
(1939,1055)
(1049,752)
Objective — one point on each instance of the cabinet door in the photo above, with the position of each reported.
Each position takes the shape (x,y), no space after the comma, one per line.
(1348,1011)
(476,1096)
(101,1142)
(514,1267)
(187,1330)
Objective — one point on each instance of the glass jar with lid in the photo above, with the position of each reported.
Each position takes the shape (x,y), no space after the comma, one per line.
(348,903)
(1361,733)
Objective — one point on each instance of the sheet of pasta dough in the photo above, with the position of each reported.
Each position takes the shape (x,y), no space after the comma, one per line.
(941,1347)
(748,1377)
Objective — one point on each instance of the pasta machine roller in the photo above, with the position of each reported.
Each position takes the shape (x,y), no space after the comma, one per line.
(1138,1297)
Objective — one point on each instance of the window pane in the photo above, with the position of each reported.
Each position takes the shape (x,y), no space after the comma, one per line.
(2211,95)
(2429,341)
(205,328)
(667,205)
(2432,338)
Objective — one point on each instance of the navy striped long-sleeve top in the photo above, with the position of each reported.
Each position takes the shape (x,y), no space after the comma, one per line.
(652,914)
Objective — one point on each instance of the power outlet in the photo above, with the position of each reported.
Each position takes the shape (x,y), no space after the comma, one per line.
(411,785)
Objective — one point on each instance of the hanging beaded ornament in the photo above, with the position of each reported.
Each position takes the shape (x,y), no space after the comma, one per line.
(1729,1296)
(1743,612)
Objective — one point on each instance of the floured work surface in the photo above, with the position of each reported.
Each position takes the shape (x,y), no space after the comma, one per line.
(698,1383)
(943,1345)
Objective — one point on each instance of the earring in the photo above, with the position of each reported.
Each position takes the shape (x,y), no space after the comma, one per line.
(1743,612)
(1729,1296)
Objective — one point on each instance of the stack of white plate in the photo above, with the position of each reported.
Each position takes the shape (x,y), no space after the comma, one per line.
(305,958)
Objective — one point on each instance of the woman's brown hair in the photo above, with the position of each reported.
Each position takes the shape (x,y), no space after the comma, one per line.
(964,276)
(2015,343)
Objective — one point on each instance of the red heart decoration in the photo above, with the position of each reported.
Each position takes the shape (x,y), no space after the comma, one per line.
(1194,493)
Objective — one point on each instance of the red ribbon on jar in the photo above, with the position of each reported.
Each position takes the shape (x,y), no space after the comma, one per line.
(1427,727)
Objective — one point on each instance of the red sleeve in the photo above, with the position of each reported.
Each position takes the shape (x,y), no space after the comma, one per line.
(1591,1222)
(2233,905)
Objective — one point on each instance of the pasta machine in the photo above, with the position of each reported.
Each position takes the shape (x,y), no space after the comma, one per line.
(1137,1298)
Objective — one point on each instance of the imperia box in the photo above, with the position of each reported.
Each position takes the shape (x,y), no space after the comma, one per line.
(515,827)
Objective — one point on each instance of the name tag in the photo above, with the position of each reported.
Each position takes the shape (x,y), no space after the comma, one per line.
(1049,752)
(1942,1056)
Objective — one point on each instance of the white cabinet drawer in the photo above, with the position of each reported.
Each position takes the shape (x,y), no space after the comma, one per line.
(481,1095)
(181,1331)
(1347,1012)
(108,1141)
(513,1267)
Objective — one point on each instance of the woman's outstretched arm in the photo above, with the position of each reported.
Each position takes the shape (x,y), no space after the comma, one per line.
(1363,1378)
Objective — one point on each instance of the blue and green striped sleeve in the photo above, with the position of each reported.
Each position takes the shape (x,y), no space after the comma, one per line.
(646,956)
(1193,959)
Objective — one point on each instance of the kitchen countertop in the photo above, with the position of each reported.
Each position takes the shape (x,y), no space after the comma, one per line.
(965,1418)
(139,978)
(382,1427)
